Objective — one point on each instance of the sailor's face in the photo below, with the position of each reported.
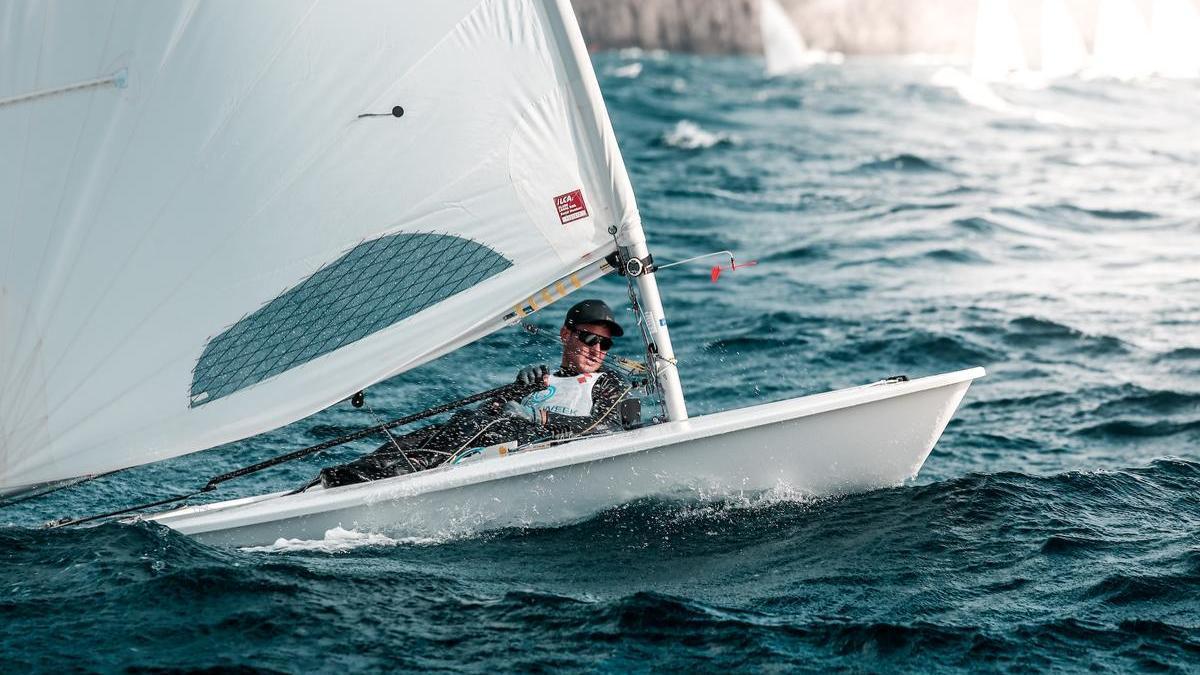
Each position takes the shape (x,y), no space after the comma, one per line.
(579,355)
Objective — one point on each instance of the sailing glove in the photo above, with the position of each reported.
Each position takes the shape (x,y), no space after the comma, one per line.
(531,375)
(525,412)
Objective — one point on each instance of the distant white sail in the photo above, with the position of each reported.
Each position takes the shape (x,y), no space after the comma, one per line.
(998,50)
(1175,34)
(203,238)
(783,47)
(1123,48)
(1063,49)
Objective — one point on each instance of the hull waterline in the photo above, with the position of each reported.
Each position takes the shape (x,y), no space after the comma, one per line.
(840,442)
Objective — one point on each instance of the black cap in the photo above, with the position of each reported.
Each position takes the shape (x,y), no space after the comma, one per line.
(592,311)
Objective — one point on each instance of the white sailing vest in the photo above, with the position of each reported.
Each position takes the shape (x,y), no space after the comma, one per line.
(568,395)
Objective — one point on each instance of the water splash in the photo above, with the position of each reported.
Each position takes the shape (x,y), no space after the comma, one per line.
(980,93)
(339,540)
(688,135)
(628,71)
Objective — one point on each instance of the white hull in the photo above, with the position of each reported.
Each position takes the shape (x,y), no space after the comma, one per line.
(839,442)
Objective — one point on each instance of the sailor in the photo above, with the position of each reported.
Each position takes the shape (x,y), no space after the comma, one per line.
(581,397)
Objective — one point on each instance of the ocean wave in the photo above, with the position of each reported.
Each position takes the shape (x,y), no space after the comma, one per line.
(1180,354)
(339,540)
(1131,588)
(629,71)
(805,253)
(1127,428)
(1130,398)
(975,225)
(917,348)
(687,135)
(1111,214)
(1033,331)
(904,163)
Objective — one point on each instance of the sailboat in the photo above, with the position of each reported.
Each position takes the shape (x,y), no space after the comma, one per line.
(226,217)
(999,52)
(784,49)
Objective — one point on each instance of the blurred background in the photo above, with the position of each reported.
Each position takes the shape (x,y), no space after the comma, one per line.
(1123,38)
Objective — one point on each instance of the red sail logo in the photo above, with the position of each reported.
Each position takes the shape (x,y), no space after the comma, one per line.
(571,207)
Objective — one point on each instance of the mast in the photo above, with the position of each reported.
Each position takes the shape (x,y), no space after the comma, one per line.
(662,353)
(630,235)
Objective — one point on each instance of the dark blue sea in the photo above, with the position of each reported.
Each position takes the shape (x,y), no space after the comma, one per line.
(905,221)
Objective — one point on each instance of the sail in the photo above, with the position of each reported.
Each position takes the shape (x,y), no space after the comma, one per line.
(1064,52)
(999,51)
(1175,35)
(220,217)
(784,49)
(1123,47)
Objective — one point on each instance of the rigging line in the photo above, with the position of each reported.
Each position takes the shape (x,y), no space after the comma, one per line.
(244,471)
(391,438)
(651,355)
(477,435)
(606,413)
(729,254)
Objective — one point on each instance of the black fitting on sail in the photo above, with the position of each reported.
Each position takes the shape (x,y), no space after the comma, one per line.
(397,111)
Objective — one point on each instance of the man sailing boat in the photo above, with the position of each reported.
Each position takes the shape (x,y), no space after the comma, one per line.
(579,398)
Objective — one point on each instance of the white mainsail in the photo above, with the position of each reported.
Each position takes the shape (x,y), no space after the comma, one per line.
(784,49)
(202,239)
(1123,47)
(999,51)
(1175,35)
(1064,51)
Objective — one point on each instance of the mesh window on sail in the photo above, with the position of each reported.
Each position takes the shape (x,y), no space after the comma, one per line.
(376,284)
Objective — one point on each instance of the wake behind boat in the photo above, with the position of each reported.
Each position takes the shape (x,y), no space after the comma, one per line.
(301,228)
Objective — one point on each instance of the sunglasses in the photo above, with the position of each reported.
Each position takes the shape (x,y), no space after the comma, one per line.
(591,339)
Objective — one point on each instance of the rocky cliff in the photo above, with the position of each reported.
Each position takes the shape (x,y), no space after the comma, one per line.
(698,26)
(847,26)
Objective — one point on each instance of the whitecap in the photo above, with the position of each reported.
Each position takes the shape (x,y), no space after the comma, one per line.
(980,93)
(339,540)
(688,135)
(629,71)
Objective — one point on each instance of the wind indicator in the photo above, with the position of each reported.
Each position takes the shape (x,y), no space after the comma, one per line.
(716,270)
